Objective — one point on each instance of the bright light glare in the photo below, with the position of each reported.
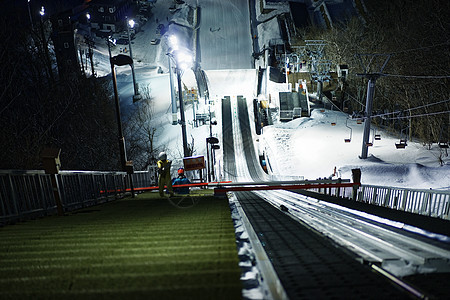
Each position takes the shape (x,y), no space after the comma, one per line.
(173,42)
(184,60)
(183,66)
(42,11)
(88,16)
(131,23)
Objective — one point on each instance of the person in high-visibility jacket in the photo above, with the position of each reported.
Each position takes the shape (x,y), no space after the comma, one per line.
(164,174)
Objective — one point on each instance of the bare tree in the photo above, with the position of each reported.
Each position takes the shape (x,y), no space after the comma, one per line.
(415,34)
(141,132)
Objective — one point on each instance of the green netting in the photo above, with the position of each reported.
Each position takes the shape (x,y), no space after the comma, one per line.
(141,248)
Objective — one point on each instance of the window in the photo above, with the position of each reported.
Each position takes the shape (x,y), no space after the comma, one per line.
(60,22)
(66,45)
(112,10)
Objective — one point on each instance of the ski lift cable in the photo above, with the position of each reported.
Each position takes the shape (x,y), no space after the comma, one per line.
(353,97)
(410,109)
(420,48)
(417,76)
(421,115)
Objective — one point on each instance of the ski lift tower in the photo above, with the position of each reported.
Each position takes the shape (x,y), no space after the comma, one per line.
(370,63)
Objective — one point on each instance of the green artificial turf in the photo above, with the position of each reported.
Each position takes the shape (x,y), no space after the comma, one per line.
(141,248)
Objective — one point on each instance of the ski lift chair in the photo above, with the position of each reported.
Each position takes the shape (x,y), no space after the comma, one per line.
(443,145)
(350,138)
(370,144)
(377,136)
(334,123)
(401,144)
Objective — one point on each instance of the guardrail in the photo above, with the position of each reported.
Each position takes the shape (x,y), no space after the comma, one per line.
(433,203)
(29,194)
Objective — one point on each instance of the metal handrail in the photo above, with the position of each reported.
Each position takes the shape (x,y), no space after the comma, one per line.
(26,194)
(432,203)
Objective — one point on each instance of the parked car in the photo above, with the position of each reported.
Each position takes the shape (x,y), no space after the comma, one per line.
(173,9)
(122,41)
(154,41)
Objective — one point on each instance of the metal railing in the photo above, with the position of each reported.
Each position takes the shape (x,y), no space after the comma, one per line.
(28,194)
(432,203)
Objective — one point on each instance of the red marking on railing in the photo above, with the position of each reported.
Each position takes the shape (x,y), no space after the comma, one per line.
(150,188)
(283,187)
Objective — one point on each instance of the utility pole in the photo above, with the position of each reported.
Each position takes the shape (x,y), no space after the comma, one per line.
(372,76)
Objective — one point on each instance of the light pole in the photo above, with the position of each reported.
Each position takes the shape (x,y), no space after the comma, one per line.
(45,45)
(90,43)
(183,121)
(119,60)
(29,14)
(182,61)
(136,96)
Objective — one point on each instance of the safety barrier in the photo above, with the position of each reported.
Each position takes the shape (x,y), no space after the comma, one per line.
(433,203)
(28,194)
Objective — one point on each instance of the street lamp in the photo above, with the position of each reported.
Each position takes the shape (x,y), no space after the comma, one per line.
(45,45)
(119,60)
(182,62)
(29,14)
(136,96)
